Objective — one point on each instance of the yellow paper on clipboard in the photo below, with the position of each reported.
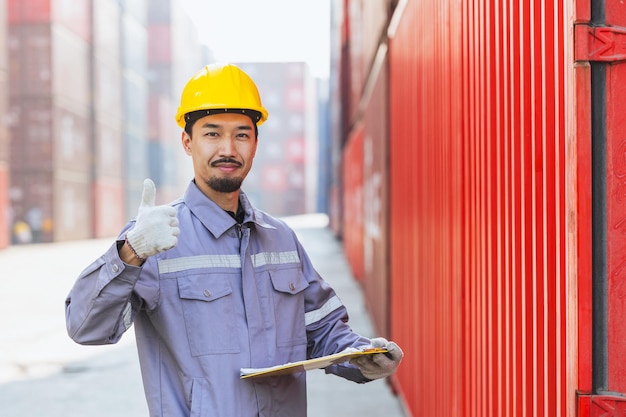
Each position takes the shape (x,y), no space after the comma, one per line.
(308,365)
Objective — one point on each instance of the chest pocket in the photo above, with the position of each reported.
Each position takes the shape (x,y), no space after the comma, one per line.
(208,308)
(288,301)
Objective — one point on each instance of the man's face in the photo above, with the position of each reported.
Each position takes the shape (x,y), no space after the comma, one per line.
(222,147)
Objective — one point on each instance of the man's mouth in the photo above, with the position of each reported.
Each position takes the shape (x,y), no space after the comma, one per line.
(226,163)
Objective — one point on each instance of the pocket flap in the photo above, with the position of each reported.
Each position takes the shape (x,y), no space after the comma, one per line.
(203,287)
(289,281)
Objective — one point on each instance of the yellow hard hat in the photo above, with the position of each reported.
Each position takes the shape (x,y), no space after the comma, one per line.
(220,88)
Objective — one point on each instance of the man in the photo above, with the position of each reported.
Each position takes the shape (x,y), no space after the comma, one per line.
(237,290)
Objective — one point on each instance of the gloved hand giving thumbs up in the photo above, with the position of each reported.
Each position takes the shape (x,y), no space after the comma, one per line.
(156,227)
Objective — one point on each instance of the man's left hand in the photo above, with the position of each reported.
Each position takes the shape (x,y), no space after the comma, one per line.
(380,365)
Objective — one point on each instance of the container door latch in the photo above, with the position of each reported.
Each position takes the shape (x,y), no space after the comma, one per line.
(601,405)
(599,43)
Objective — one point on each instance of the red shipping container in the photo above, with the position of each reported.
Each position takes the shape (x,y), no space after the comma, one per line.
(483,281)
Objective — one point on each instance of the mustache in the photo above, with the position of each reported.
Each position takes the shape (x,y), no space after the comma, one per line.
(225,161)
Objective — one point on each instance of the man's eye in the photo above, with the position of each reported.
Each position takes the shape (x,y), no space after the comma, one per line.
(212,134)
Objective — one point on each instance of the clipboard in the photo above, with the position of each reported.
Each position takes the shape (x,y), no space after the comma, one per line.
(309,364)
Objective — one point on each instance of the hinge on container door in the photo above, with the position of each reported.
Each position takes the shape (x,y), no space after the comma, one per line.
(601,406)
(599,43)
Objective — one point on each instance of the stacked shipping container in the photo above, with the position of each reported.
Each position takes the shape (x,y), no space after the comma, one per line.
(284,177)
(134,51)
(364,99)
(162,101)
(49,119)
(173,57)
(78,113)
(107,128)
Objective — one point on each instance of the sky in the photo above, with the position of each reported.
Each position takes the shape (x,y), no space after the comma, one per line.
(265,30)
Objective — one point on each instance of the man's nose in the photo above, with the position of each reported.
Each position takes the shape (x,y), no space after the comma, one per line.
(228,147)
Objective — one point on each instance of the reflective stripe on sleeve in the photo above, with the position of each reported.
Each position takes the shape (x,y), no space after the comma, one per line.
(328,307)
(196,262)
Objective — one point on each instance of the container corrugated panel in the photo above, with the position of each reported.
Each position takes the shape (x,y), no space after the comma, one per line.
(324,164)
(32,149)
(108,208)
(352,219)
(162,163)
(159,43)
(4,28)
(134,98)
(107,31)
(134,47)
(29,11)
(73,209)
(70,73)
(367,23)
(135,170)
(137,9)
(160,118)
(279,165)
(72,141)
(108,150)
(30,59)
(4,136)
(335,107)
(72,163)
(375,203)
(74,16)
(107,92)
(160,79)
(5,229)
(32,201)
(159,11)
(478,215)
(73,159)
(36,159)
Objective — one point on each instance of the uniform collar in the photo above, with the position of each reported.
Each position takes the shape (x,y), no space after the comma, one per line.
(216,219)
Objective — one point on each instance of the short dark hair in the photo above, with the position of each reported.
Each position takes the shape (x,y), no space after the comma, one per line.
(192,117)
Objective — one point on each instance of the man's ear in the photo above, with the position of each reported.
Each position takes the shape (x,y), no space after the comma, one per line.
(186,140)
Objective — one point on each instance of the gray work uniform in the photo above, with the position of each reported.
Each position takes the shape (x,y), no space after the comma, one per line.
(227,296)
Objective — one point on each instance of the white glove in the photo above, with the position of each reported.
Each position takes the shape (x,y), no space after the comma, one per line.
(156,228)
(380,365)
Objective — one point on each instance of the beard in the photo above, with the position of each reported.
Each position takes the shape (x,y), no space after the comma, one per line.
(225,185)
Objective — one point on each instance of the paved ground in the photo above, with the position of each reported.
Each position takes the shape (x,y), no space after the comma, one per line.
(43,373)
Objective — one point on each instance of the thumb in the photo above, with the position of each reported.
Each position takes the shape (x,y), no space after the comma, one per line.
(149,191)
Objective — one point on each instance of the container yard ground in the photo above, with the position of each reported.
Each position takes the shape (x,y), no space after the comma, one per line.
(42,372)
